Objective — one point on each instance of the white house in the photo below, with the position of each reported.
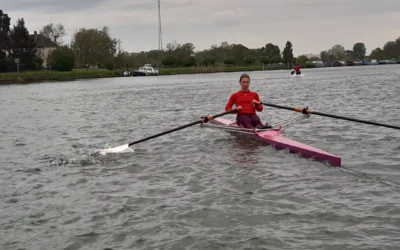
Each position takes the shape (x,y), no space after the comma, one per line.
(43,46)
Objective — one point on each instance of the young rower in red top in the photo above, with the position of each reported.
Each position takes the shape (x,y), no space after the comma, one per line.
(247,102)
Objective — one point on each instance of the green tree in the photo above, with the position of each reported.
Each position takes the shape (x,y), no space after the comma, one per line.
(93,46)
(169,60)
(324,56)
(391,49)
(359,51)
(271,51)
(302,60)
(249,60)
(123,60)
(349,55)
(265,60)
(238,52)
(5,64)
(184,51)
(62,59)
(377,54)
(4,31)
(229,61)
(288,53)
(337,51)
(23,45)
(276,59)
(210,60)
(180,51)
(189,61)
(54,32)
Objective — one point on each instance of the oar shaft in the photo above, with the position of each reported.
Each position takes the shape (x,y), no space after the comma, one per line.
(330,115)
(355,120)
(178,128)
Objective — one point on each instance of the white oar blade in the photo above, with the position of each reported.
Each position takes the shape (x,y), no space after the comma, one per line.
(118,149)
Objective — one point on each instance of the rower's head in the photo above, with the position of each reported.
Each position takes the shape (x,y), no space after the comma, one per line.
(244,81)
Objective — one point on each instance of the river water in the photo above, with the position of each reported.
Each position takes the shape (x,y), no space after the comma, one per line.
(199,188)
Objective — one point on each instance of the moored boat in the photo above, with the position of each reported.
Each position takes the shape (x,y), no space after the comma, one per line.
(146,70)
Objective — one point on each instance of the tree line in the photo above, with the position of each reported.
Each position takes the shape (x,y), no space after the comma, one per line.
(96,47)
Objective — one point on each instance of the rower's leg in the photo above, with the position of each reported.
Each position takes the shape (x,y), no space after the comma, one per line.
(244,120)
(255,121)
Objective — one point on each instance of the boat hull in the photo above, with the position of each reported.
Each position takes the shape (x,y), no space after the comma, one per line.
(274,138)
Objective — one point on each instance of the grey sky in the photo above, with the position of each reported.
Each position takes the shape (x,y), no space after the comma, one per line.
(311,25)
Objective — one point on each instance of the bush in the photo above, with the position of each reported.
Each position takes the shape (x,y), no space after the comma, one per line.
(210,60)
(249,60)
(189,61)
(7,66)
(109,64)
(265,60)
(51,75)
(62,59)
(229,61)
(169,60)
(38,61)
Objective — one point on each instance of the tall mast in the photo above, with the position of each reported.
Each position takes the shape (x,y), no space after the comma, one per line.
(160,47)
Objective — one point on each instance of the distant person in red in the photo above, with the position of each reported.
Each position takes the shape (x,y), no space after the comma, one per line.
(297,70)
(247,103)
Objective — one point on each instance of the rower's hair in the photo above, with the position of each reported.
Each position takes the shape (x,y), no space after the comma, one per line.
(244,76)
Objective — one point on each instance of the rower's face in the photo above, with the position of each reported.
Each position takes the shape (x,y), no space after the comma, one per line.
(244,83)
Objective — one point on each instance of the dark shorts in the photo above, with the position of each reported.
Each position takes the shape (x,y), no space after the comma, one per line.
(248,120)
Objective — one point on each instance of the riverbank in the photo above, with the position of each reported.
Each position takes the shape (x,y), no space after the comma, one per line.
(50,75)
(200,70)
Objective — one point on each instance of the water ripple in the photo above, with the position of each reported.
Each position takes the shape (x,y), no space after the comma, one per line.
(198,188)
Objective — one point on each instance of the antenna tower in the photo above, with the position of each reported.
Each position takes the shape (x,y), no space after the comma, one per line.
(160,47)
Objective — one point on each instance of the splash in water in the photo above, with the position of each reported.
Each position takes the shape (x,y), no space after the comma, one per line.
(119,149)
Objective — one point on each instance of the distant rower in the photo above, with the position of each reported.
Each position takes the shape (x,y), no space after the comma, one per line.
(297,70)
(247,103)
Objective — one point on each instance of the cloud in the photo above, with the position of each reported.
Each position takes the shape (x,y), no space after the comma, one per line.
(311,25)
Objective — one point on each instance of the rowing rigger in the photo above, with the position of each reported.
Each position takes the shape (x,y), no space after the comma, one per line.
(270,136)
(274,137)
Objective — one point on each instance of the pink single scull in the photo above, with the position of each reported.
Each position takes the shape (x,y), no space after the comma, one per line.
(273,136)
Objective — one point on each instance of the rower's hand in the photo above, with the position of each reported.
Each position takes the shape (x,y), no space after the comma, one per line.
(255,102)
(238,108)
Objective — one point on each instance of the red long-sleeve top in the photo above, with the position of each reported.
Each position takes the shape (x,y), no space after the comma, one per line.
(297,68)
(244,99)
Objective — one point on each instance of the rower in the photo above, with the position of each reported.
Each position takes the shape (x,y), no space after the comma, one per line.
(247,103)
(297,70)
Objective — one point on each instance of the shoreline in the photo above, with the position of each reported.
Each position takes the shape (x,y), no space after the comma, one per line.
(43,76)
(55,76)
(79,74)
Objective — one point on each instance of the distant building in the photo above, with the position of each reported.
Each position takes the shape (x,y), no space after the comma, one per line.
(43,46)
(317,64)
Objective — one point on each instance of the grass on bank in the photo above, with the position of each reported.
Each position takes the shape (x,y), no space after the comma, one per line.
(50,75)
(199,70)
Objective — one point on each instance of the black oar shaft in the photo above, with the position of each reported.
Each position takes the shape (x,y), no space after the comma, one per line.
(330,115)
(355,120)
(178,128)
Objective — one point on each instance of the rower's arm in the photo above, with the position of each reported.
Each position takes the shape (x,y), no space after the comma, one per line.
(230,104)
(259,107)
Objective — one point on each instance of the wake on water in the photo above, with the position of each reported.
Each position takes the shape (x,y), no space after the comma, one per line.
(301,75)
(95,157)
(119,149)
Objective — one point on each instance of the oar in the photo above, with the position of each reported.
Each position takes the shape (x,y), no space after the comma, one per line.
(126,146)
(308,111)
